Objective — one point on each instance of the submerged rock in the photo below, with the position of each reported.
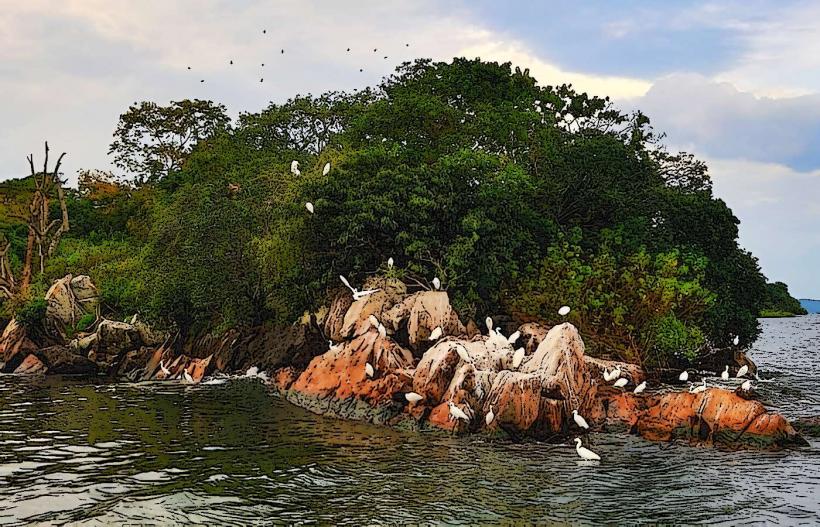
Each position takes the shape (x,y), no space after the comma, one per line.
(31,365)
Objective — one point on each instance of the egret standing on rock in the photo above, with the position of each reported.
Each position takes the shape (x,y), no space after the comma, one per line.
(436,333)
(518,357)
(368,369)
(413,397)
(620,383)
(187,376)
(639,388)
(585,453)
(725,374)
(326,169)
(489,417)
(164,370)
(699,388)
(512,338)
(456,412)
(489,322)
(742,371)
(436,283)
(746,386)
(579,420)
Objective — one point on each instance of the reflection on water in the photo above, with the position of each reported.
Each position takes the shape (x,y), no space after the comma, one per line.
(83,453)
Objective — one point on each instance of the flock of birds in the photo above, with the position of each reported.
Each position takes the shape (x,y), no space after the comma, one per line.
(282,52)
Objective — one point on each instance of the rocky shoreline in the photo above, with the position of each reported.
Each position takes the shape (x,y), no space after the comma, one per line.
(393,343)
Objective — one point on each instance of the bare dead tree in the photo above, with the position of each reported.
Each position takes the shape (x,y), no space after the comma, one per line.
(44,233)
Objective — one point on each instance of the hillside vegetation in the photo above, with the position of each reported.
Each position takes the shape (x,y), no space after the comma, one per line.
(519,197)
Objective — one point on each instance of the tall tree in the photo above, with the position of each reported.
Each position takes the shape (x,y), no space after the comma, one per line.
(151,140)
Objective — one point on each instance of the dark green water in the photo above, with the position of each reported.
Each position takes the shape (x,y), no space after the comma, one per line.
(75,452)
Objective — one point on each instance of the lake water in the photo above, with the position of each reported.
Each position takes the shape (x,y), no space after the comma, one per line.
(76,452)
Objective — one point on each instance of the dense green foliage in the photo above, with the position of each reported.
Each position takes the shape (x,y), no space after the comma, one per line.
(779,303)
(520,198)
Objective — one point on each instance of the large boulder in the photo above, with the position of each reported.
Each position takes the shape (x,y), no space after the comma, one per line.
(15,346)
(416,316)
(356,319)
(68,300)
(336,383)
(62,360)
(114,340)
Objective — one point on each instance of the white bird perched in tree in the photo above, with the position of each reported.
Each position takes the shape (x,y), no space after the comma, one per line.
(620,383)
(368,369)
(326,169)
(564,311)
(742,371)
(489,417)
(515,336)
(639,388)
(294,167)
(518,357)
(699,388)
(436,283)
(684,376)
(456,412)
(164,370)
(356,293)
(435,334)
(746,386)
(736,341)
(489,322)
(390,263)
(413,397)
(187,376)
(309,207)
(579,420)
(382,330)
(585,453)
(725,374)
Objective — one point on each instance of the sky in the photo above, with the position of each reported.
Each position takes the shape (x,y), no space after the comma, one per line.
(735,82)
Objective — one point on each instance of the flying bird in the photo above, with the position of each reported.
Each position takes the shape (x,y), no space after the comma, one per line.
(579,420)
(202,80)
(639,388)
(375,49)
(264,31)
(283,52)
(348,49)
(262,79)
(356,293)
(326,169)
(231,62)
(584,452)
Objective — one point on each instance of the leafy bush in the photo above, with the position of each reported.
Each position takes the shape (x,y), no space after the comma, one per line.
(32,312)
(671,337)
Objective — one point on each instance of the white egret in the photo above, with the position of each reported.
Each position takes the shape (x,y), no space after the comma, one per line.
(518,357)
(725,374)
(462,353)
(699,388)
(253,371)
(413,397)
(639,388)
(356,293)
(187,376)
(436,283)
(579,420)
(435,334)
(489,417)
(333,347)
(390,263)
(684,376)
(742,371)
(515,336)
(615,373)
(165,370)
(456,412)
(607,375)
(564,311)
(585,453)
(368,369)
(309,207)
(382,330)
(373,321)
(737,340)
(326,169)
(620,383)
(294,167)
(489,322)
(746,386)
